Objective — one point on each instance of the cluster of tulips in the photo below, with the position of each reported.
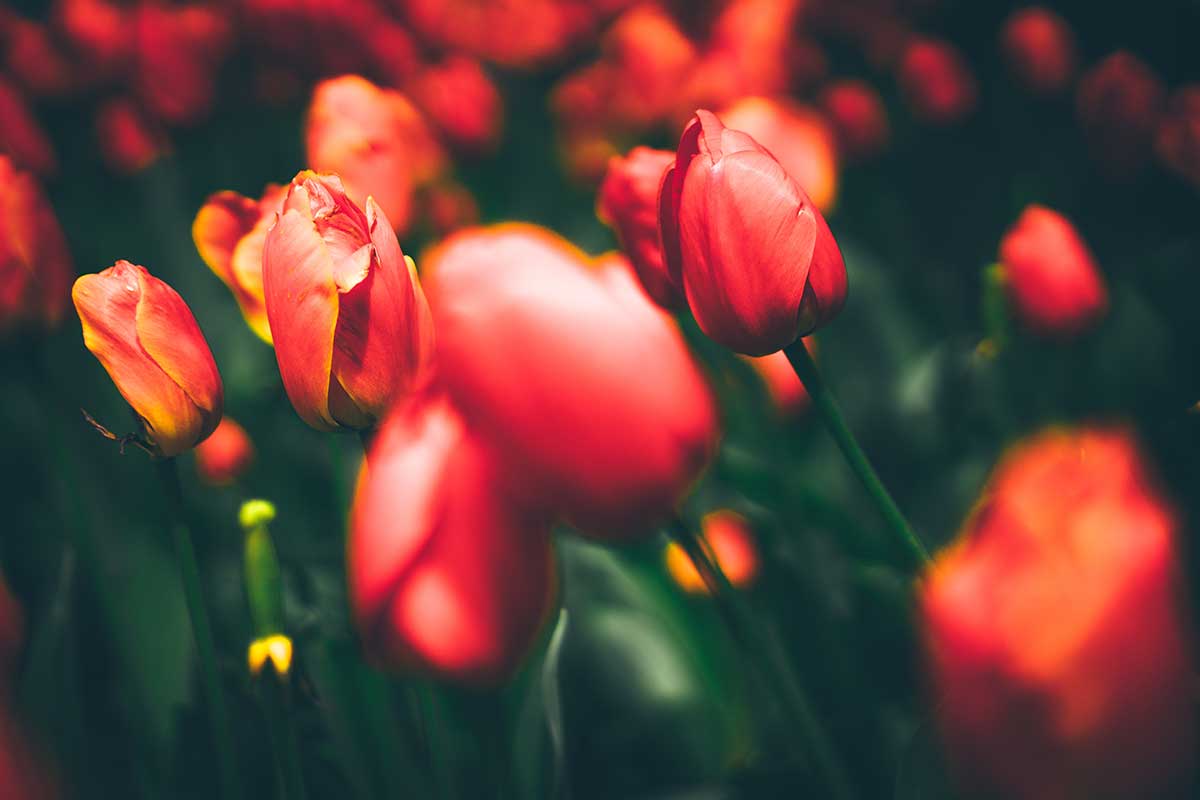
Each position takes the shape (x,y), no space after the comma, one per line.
(509,384)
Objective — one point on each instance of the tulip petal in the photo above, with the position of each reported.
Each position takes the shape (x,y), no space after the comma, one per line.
(246,268)
(220,224)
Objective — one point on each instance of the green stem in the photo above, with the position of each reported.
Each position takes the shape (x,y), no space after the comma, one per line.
(218,710)
(277,704)
(766,653)
(810,376)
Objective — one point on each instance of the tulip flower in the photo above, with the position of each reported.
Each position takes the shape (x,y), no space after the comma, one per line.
(129,142)
(1054,634)
(35,267)
(573,372)
(752,253)
(1052,279)
(225,455)
(731,543)
(1178,138)
(33,56)
(858,116)
(787,392)
(936,81)
(229,232)
(375,140)
(461,100)
(1119,103)
(447,575)
(177,52)
(628,202)
(351,327)
(1040,49)
(21,138)
(147,340)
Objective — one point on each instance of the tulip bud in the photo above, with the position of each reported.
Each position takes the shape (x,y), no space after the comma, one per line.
(264,579)
(229,232)
(35,267)
(1040,49)
(146,338)
(936,81)
(786,390)
(223,457)
(375,140)
(351,327)
(1052,280)
(129,142)
(447,575)
(461,100)
(628,203)
(730,542)
(753,254)
(572,371)
(858,117)
(275,648)
(1119,103)
(1178,138)
(1054,635)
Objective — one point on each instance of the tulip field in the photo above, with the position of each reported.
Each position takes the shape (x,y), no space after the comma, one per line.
(594,399)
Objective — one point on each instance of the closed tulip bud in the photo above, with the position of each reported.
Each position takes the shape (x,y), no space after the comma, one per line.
(376,140)
(264,579)
(461,100)
(129,142)
(1040,49)
(732,545)
(351,327)
(787,392)
(146,338)
(1178,138)
(1052,280)
(751,251)
(1054,635)
(229,232)
(628,202)
(574,373)
(447,575)
(1120,103)
(936,81)
(858,117)
(223,457)
(35,267)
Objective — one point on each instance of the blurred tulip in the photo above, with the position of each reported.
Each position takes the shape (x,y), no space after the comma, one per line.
(797,136)
(747,51)
(375,140)
(97,31)
(21,138)
(223,457)
(1178,139)
(731,542)
(461,100)
(649,59)
(34,57)
(1120,102)
(351,327)
(446,574)
(787,392)
(573,372)
(177,52)
(1054,634)
(129,142)
(448,206)
(35,266)
(759,265)
(936,81)
(307,38)
(24,773)
(229,232)
(12,636)
(858,117)
(146,338)
(628,203)
(1040,49)
(1052,279)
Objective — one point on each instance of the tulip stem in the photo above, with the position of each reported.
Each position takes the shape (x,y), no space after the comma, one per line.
(752,636)
(218,710)
(276,695)
(835,423)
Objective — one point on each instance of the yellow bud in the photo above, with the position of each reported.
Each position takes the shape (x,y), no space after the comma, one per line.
(277,648)
(255,513)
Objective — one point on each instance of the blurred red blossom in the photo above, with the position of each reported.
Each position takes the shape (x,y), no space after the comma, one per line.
(34,57)
(1040,49)
(731,542)
(936,81)
(1178,139)
(21,138)
(784,387)
(35,265)
(177,50)
(858,117)
(460,99)
(448,206)
(225,455)
(12,636)
(98,33)
(1119,102)
(129,141)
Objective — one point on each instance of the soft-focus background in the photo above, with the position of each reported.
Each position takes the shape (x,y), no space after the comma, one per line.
(645,693)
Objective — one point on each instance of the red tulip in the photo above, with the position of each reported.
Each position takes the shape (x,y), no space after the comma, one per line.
(447,575)
(732,544)
(1040,49)
(1120,102)
(97,31)
(461,100)
(1054,634)
(1051,277)
(147,340)
(751,251)
(376,140)
(351,327)
(936,81)
(21,138)
(34,58)
(35,267)
(129,142)
(787,392)
(229,232)
(177,52)
(858,117)
(628,202)
(573,372)
(1178,139)
(223,457)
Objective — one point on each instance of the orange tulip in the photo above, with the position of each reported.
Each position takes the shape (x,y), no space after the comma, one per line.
(223,457)
(229,232)
(858,117)
(936,81)
(731,543)
(1054,634)
(447,575)
(147,340)
(1040,49)
(35,267)
(351,327)
(573,372)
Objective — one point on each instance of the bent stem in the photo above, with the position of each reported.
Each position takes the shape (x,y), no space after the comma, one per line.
(810,376)
(765,651)
(218,710)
